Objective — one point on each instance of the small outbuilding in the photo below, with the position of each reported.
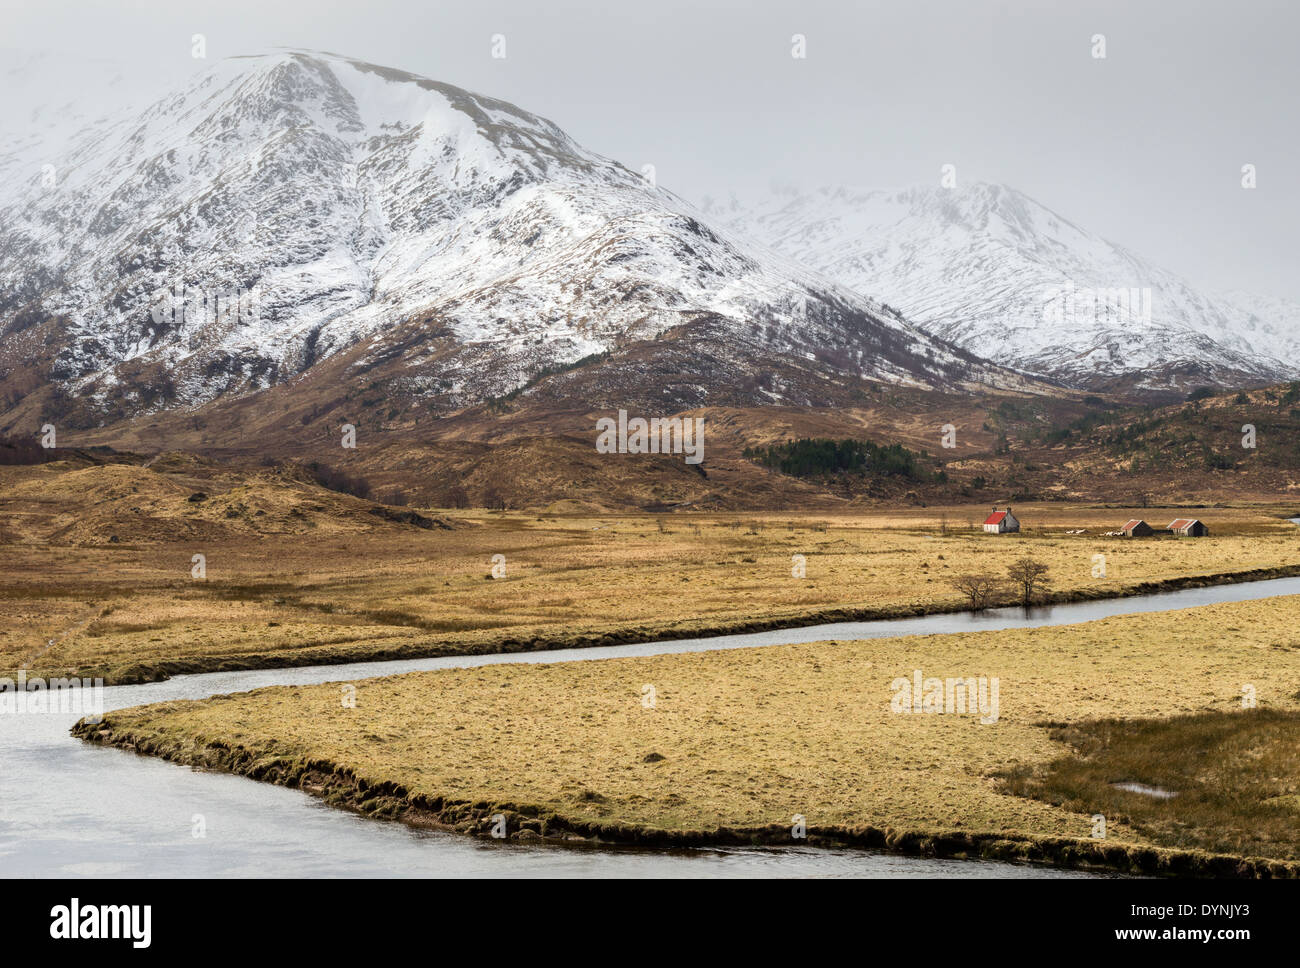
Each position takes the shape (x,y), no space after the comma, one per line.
(1189,528)
(1137,528)
(1001,522)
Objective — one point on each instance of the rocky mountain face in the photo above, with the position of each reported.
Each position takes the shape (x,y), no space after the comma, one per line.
(988,268)
(304,218)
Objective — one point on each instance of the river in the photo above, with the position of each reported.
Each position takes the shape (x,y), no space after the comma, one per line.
(71,809)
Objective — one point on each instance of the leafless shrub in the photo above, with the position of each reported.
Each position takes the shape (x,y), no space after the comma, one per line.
(978,589)
(493,499)
(22,450)
(1027,573)
(339,480)
(456,497)
(394,497)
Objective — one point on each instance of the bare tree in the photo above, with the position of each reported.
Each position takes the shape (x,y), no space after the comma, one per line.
(1027,574)
(394,497)
(456,497)
(978,589)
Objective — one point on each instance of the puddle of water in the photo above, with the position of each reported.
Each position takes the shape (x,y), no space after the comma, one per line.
(1147,791)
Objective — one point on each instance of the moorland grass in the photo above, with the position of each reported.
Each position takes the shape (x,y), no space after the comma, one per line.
(737,743)
(1234,776)
(571,581)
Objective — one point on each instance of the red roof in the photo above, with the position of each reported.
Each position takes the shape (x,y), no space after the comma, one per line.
(996,517)
(1181,523)
(1132,524)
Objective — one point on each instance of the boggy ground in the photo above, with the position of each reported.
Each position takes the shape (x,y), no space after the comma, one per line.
(743,745)
(97,570)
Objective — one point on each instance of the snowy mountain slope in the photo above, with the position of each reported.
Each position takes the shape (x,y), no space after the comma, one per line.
(994,271)
(45,106)
(1253,319)
(296,205)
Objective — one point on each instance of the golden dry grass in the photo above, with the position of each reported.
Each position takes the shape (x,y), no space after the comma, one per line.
(340,593)
(752,737)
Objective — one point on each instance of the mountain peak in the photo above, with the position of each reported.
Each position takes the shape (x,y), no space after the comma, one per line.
(981,265)
(294,210)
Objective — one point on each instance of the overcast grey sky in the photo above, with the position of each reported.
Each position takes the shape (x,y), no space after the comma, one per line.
(1144,147)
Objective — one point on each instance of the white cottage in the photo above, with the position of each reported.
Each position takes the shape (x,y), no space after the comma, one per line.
(1000,522)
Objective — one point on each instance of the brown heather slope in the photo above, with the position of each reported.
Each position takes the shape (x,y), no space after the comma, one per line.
(177,497)
(537,450)
(538,447)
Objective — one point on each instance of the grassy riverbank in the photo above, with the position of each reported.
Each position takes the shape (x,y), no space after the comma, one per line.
(736,744)
(131,613)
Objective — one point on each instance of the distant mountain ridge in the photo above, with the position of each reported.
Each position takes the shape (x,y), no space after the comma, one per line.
(984,265)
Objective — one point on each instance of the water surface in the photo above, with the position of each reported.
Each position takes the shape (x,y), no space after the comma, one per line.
(68,808)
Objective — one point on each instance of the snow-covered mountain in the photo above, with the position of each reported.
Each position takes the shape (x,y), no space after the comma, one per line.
(284,208)
(992,270)
(48,103)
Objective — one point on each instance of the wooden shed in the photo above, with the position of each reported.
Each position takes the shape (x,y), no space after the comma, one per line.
(1189,528)
(1137,528)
